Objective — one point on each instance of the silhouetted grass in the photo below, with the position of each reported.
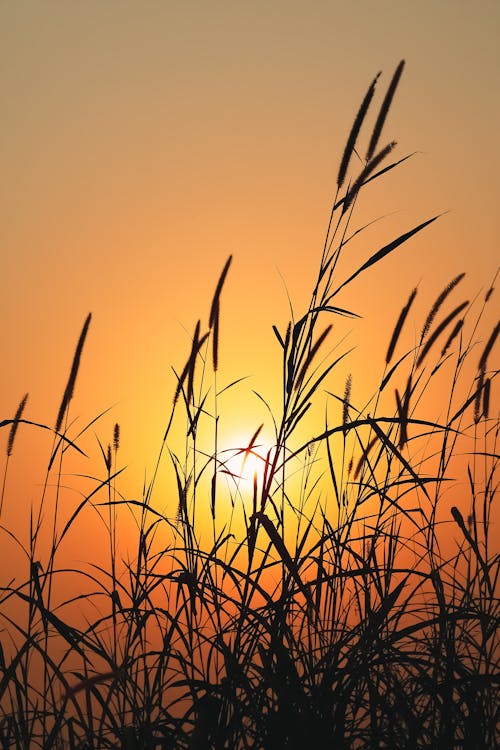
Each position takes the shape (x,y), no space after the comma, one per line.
(347,599)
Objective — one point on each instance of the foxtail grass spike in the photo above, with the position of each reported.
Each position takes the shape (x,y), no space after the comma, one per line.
(456,330)
(346,402)
(486,398)
(489,346)
(384,110)
(353,135)
(399,325)
(189,367)
(218,290)
(215,340)
(438,303)
(192,363)
(15,424)
(215,313)
(478,397)
(68,393)
(439,330)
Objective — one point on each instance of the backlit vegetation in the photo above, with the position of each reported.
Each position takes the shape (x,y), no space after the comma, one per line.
(345,598)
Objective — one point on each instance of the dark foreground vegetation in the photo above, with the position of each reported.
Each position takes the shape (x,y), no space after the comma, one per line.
(347,600)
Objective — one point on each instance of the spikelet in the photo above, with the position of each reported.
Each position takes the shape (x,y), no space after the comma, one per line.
(482,396)
(116,437)
(384,110)
(399,325)
(15,424)
(353,135)
(489,346)
(189,367)
(432,339)
(456,330)
(213,320)
(477,399)
(347,396)
(70,386)
(215,340)
(218,290)
(437,304)
(192,363)
(486,397)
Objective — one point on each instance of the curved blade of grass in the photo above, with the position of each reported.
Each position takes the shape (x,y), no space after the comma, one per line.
(376,257)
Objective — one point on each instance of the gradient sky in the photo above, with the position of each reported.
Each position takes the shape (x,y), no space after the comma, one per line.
(142,143)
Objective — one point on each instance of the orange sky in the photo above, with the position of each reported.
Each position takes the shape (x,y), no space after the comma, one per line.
(142,143)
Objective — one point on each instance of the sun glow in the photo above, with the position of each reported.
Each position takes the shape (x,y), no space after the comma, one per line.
(244,460)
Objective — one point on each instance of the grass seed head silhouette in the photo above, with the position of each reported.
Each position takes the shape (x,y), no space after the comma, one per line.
(15,424)
(70,386)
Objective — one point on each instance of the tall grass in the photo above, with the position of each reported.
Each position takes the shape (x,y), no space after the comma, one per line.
(347,599)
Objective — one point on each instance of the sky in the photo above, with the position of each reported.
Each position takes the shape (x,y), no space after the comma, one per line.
(143,143)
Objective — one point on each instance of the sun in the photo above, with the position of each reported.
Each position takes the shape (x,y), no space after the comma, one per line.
(243,459)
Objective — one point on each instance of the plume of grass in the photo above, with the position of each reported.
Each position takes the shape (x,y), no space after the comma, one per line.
(15,425)
(353,135)
(384,110)
(215,313)
(438,303)
(70,386)
(439,330)
(488,347)
(10,445)
(347,398)
(189,367)
(399,326)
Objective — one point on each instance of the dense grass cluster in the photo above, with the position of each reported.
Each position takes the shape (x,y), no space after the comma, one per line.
(356,608)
